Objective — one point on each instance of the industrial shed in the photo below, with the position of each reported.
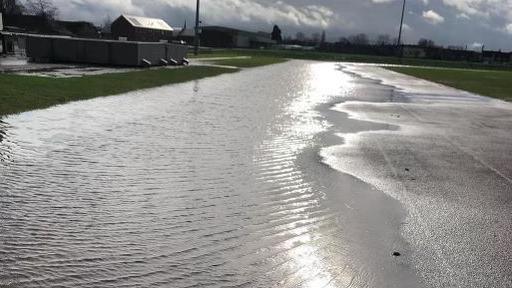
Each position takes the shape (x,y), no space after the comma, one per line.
(225,37)
(141,29)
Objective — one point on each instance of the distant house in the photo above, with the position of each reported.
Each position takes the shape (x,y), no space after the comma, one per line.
(216,36)
(143,29)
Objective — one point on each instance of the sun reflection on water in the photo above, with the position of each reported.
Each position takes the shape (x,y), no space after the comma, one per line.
(310,266)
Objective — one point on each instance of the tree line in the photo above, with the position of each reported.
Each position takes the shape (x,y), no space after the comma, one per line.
(359,39)
(42,8)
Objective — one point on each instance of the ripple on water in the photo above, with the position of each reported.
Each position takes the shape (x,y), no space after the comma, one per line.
(188,185)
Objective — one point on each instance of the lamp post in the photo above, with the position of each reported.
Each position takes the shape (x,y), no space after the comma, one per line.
(2,38)
(400,32)
(196,35)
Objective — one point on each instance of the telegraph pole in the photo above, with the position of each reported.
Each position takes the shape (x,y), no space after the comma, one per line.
(196,36)
(401,25)
(2,39)
(400,33)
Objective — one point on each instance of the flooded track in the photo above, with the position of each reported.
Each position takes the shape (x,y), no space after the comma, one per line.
(243,180)
(216,183)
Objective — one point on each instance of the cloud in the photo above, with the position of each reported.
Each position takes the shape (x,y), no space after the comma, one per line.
(463,16)
(278,12)
(432,17)
(489,23)
(483,8)
(475,46)
(472,7)
(508,28)
(218,12)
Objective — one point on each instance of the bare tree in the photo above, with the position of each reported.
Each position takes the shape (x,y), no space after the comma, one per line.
(426,43)
(359,39)
(10,7)
(107,24)
(343,41)
(315,37)
(300,36)
(383,39)
(43,8)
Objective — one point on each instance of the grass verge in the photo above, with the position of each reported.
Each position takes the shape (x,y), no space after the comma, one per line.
(253,61)
(494,84)
(337,57)
(24,93)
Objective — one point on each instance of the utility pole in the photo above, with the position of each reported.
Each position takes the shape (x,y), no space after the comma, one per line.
(2,39)
(400,33)
(196,36)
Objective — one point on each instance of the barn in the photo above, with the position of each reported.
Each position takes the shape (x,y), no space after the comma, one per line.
(141,29)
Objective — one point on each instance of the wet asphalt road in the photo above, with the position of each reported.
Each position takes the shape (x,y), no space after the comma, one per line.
(300,174)
(448,160)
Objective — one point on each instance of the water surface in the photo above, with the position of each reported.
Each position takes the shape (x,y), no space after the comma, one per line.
(214,183)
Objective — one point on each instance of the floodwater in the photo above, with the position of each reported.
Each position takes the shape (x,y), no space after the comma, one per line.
(243,180)
(215,183)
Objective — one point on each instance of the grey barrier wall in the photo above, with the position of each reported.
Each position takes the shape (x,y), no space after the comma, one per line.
(124,54)
(103,52)
(152,52)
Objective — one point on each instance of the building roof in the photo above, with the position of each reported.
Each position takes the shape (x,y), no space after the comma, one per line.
(148,23)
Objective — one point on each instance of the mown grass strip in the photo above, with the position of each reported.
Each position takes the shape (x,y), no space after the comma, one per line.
(339,57)
(494,84)
(250,62)
(23,93)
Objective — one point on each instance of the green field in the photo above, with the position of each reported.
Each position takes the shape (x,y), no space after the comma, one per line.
(487,80)
(23,93)
(483,82)
(324,56)
(254,61)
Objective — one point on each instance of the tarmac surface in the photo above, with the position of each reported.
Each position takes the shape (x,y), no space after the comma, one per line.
(448,159)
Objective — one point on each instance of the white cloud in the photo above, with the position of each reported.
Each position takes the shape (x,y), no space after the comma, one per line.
(475,46)
(483,8)
(278,12)
(508,28)
(433,17)
(489,19)
(219,11)
(463,16)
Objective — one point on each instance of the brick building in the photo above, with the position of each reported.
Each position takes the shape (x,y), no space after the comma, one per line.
(142,29)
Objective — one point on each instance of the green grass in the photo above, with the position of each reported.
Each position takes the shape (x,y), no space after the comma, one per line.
(337,57)
(483,79)
(23,93)
(254,61)
(494,84)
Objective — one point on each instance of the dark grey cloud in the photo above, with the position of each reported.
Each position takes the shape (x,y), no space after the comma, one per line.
(454,22)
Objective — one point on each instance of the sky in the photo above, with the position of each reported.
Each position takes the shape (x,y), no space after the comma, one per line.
(461,23)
